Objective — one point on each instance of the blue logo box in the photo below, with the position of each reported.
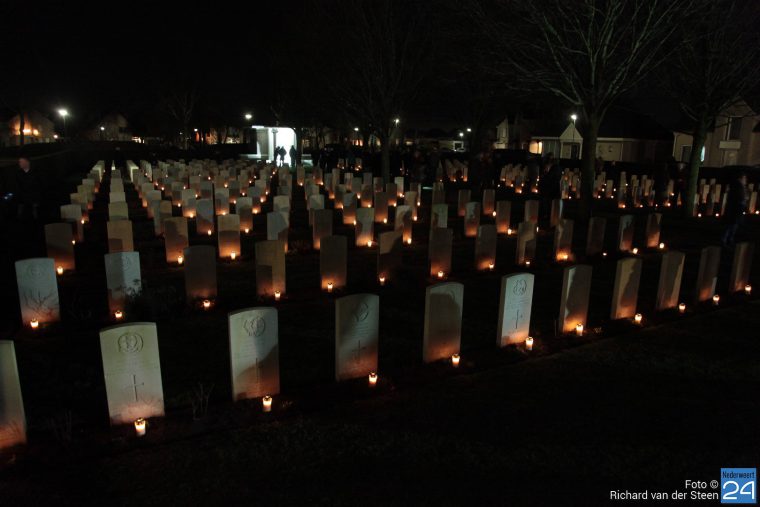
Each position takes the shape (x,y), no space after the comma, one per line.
(738,485)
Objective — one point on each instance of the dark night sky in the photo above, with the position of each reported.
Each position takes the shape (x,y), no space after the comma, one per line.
(95,58)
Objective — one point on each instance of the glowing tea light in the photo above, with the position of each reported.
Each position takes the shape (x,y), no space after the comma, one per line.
(382,279)
(661,246)
(369,243)
(372,379)
(637,318)
(354,222)
(681,307)
(329,286)
(59,270)
(277,295)
(206,304)
(441,274)
(73,242)
(82,221)
(262,199)
(208,232)
(414,218)
(385,220)
(266,403)
(491,266)
(34,324)
(699,215)
(509,231)
(493,214)
(529,343)
(233,255)
(579,329)
(527,263)
(180,259)
(716,299)
(247,230)
(118,314)
(455,360)
(748,289)
(140,427)
(635,251)
(409,241)
(563,256)
(604,254)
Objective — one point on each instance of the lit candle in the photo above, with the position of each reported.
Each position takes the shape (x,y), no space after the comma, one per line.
(409,241)
(180,259)
(527,263)
(414,218)
(206,304)
(716,299)
(455,360)
(637,318)
(385,220)
(329,286)
(266,403)
(490,266)
(354,222)
(34,323)
(277,295)
(579,329)
(382,279)
(59,270)
(604,254)
(208,232)
(73,242)
(493,214)
(369,243)
(509,231)
(563,256)
(246,230)
(699,215)
(662,246)
(681,307)
(233,255)
(372,379)
(118,314)
(635,251)
(140,427)
(529,343)
(441,274)
(748,289)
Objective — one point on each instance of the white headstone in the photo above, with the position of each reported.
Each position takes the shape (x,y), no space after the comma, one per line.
(123,278)
(132,371)
(515,304)
(37,290)
(356,335)
(254,353)
(443,321)
(12,416)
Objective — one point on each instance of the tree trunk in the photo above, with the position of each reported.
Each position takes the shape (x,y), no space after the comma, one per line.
(588,167)
(695,162)
(21,127)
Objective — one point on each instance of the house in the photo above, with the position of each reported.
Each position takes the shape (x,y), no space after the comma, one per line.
(37,128)
(112,127)
(734,139)
(624,136)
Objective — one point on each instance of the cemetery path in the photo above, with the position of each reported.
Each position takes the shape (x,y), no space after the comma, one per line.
(646,409)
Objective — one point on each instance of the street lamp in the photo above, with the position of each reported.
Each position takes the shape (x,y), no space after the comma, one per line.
(64,113)
(248,116)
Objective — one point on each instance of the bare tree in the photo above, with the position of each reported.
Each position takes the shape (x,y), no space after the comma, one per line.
(587,52)
(384,48)
(180,105)
(717,64)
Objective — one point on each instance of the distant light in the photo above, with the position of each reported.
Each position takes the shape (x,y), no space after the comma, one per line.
(573,116)
(102,129)
(195,130)
(461,134)
(396,121)
(63,112)
(356,129)
(469,129)
(248,116)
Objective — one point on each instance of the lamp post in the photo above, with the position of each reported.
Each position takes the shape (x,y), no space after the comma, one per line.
(64,113)
(573,117)
(248,117)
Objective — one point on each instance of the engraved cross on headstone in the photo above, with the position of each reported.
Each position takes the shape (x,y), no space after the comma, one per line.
(134,386)
(358,352)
